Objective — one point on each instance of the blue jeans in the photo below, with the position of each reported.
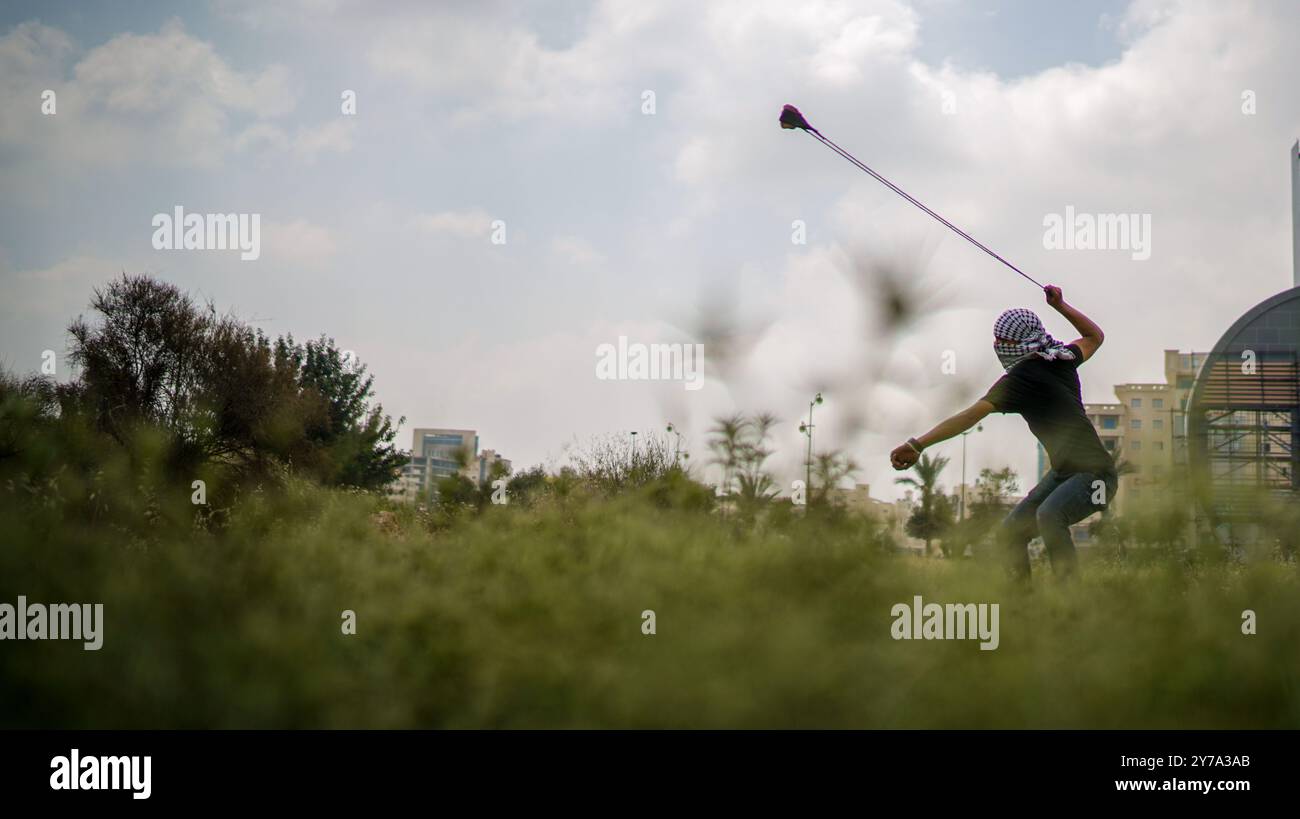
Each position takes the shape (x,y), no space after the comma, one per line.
(1048,511)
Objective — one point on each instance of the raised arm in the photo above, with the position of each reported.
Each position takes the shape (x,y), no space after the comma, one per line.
(1090,335)
(906,454)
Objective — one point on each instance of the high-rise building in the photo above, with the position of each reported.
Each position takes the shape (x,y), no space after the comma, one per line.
(406,487)
(443,453)
(1294,159)
(438,454)
(490,462)
(1146,429)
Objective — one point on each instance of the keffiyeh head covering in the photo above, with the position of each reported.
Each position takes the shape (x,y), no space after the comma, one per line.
(1020,335)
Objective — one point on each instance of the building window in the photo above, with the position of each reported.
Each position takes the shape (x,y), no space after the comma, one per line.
(444,440)
(1136,446)
(1184,382)
(1110,422)
(1158,423)
(1157,403)
(1109,443)
(1136,403)
(1160,446)
(1136,423)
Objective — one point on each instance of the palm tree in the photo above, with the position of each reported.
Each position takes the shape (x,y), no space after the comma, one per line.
(755,489)
(755,484)
(926,481)
(740,446)
(829,468)
(726,441)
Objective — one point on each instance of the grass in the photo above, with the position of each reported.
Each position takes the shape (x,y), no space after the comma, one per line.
(526,618)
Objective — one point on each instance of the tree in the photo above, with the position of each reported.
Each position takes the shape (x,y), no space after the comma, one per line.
(726,442)
(29,405)
(222,392)
(754,485)
(987,508)
(740,446)
(357,437)
(992,487)
(613,463)
(142,361)
(154,359)
(454,495)
(934,515)
(828,469)
(936,522)
(524,486)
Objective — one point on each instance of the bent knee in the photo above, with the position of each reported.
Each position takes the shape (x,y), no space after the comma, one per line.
(1019,519)
(1048,515)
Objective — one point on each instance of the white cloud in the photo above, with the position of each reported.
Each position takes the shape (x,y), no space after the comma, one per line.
(489,70)
(576,250)
(31,56)
(297,242)
(171,70)
(56,292)
(1158,131)
(167,97)
(260,136)
(331,137)
(306,145)
(542,389)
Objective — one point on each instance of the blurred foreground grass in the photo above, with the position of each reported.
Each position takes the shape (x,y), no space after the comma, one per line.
(532,618)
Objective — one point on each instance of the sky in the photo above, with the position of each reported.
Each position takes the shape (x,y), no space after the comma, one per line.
(630,153)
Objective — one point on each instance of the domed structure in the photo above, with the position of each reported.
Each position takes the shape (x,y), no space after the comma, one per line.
(1243,416)
(1244,412)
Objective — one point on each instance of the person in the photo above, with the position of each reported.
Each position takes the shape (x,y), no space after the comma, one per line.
(1041,384)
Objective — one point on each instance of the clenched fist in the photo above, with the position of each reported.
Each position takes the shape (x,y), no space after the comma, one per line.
(903,456)
(1054,296)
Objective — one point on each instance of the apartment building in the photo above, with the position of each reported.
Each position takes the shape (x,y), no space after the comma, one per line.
(1146,429)
(893,515)
(487,462)
(442,453)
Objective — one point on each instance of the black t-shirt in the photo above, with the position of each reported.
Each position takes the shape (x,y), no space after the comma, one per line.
(1046,393)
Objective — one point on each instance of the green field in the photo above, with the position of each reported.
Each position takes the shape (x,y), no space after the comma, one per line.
(532,617)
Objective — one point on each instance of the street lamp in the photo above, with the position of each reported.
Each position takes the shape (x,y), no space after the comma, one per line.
(807,429)
(677,455)
(961,514)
